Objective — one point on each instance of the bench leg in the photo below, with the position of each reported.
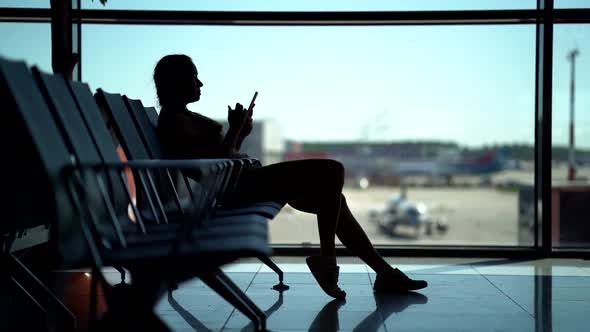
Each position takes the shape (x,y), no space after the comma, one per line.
(222,276)
(268,262)
(122,272)
(235,296)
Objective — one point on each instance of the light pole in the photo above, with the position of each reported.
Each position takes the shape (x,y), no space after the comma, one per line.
(571,174)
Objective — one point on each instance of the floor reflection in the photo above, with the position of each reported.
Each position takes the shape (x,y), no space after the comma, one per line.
(327,319)
(386,304)
(187,316)
(543,298)
(197,325)
(540,296)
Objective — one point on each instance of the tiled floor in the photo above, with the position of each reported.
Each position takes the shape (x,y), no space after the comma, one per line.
(463,295)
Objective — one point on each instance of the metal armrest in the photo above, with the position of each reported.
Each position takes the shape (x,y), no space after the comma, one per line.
(200,167)
(205,168)
(198,170)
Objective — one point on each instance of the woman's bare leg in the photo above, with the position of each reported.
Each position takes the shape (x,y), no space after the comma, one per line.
(352,235)
(315,186)
(312,185)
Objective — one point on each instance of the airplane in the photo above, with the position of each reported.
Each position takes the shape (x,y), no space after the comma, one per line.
(401,212)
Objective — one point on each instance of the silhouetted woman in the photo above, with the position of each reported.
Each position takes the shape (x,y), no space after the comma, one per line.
(312,185)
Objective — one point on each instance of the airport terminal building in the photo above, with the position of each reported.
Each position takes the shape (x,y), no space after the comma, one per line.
(462,126)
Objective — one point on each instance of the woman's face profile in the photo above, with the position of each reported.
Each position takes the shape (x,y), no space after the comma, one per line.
(195,85)
(177,80)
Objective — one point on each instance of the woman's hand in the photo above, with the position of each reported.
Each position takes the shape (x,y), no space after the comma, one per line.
(236,117)
(246,128)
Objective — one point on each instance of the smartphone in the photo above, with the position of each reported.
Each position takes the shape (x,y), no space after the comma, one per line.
(249,110)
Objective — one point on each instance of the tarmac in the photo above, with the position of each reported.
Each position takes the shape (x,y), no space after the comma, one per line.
(477,214)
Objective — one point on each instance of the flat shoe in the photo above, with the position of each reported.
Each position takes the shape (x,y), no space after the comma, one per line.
(325,271)
(395,281)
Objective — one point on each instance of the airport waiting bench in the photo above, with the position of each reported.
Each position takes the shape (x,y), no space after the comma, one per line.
(78,186)
(144,119)
(136,133)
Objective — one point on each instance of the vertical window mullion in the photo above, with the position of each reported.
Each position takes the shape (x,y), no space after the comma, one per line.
(543,105)
(77,38)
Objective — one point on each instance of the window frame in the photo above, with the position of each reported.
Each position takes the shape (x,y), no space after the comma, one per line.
(545,17)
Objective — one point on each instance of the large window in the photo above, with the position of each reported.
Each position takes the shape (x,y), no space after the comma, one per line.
(571,136)
(444,114)
(430,105)
(25,3)
(30,42)
(572,4)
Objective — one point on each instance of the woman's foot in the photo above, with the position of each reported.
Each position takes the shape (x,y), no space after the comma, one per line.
(395,281)
(325,271)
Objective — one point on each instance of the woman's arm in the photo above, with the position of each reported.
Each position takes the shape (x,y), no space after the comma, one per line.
(244,132)
(231,142)
(240,126)
(187,137)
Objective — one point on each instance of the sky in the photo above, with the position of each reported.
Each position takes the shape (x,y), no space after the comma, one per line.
(473,85)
